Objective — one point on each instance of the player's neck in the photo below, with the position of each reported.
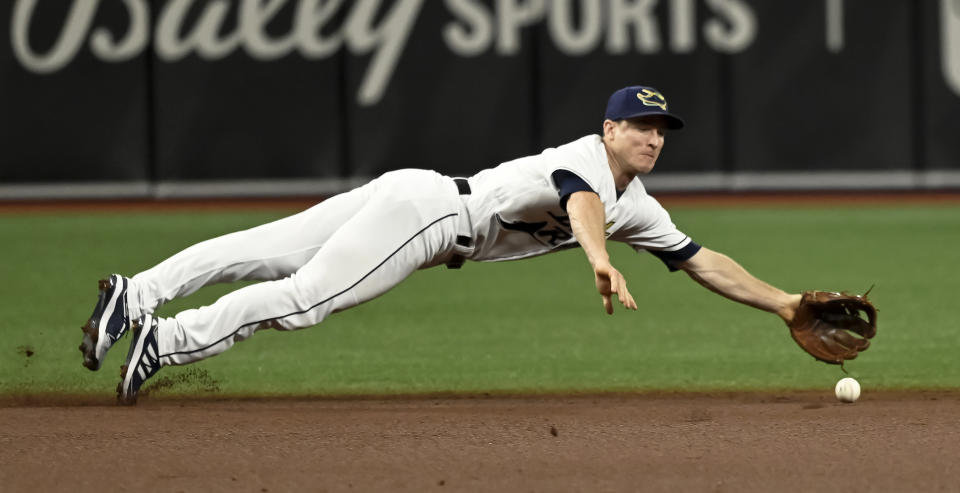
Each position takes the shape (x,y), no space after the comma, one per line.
(621,174)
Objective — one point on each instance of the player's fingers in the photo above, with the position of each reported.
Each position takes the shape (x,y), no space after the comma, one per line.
(623,294)
(607,304)
(603,283)
(627,299)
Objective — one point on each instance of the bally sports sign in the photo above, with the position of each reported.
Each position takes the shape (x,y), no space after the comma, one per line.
(321,28)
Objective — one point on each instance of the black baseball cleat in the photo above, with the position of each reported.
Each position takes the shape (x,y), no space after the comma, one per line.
(143,360)
(108,323)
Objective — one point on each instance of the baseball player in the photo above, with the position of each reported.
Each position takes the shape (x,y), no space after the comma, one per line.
(357,245)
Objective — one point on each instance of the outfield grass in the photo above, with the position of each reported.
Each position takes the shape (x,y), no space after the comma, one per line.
(527,326)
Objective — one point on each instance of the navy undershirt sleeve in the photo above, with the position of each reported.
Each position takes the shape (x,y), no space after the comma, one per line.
(567,182)
(677,257)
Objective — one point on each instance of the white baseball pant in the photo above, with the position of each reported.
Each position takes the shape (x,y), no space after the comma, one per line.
(342,252)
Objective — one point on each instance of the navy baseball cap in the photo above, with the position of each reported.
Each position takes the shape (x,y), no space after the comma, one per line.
(638,101)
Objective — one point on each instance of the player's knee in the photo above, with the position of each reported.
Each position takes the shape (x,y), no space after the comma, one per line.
(315,300)
(302,290)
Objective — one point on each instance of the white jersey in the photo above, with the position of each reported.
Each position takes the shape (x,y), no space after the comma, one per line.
(515,207)
(356,246)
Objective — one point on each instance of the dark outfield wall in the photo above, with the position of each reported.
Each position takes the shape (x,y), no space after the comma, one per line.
(169,90)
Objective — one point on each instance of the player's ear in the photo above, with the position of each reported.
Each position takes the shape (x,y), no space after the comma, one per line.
(608,126)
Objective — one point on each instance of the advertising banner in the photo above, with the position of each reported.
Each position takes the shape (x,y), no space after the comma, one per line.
(168,92)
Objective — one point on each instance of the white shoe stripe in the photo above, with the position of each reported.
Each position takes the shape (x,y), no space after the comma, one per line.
(105,316)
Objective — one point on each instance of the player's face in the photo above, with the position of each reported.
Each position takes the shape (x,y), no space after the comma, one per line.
(636,142)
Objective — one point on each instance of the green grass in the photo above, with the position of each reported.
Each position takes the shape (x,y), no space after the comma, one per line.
(527,326)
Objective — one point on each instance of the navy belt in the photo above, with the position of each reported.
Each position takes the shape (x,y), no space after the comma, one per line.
(463,186)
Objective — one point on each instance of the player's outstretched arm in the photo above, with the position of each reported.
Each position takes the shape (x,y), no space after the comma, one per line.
(723,275)
(587,221)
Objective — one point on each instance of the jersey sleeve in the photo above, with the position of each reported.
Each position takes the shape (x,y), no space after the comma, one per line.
(673,258)
(651,229)
(567,183)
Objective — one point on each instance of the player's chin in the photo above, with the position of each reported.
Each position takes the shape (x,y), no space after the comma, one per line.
(645,166)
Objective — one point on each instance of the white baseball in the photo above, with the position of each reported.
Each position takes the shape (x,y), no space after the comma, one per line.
(847,390)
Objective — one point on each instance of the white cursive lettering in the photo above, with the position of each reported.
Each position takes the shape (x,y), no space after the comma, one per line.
(380,29)
(388,39)
(172,45)
(106,48)
(67,45)
(313,16)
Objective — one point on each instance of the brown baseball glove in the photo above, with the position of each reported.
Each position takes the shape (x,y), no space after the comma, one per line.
(825,324)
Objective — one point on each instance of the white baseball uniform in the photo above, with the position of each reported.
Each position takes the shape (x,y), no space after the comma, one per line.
(357,245)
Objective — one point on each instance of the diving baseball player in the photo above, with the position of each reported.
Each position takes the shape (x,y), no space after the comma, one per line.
(356,246)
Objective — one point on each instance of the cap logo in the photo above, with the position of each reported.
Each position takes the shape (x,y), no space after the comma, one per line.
(652,98)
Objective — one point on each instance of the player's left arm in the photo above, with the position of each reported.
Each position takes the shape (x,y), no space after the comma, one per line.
(721,274)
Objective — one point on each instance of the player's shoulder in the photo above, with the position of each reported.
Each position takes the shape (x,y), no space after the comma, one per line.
(587,145)
(583,155)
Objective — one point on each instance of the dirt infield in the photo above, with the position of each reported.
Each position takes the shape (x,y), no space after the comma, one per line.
(647,442)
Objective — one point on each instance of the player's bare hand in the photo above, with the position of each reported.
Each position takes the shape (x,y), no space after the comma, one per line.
(609,281)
